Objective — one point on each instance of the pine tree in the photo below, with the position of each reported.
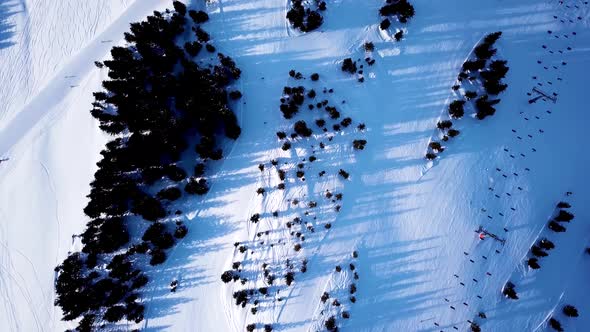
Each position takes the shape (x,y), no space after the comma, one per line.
(555,324)
(570,311)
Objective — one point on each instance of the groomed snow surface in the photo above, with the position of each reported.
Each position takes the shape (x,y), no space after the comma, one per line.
(411,222)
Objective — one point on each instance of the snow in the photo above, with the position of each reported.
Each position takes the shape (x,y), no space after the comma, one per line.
(410,223)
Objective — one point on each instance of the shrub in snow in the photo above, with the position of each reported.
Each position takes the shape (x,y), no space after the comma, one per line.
(554,226)
(198,17)
(227,276)
(267,328)
(251,327)
(493,86)
(289,278)
(241,297)
(456,109)
(453,132)
(325,296)
(158,257)
(255,217)
(564,205)
(484,51)
(334,114)
(533,263)
(430,156)
(473,65)
(470,94)
(343,173)
(445,124)
(359,144)
(346,122)
(235,95)
(399,35)
(369,46)
(193,48)
(385,24)
(170,193)
(210,48)
(402,9)
(349,66)
(555,324)
(546,244)
(474,327)
(537,251)
(330,324)
(286,146)
(345,315)
(570,311)
(202,35)
(281,135)
(485,107)
(196,187)
(564,216)
(302,129)
(436,146)
(158,236)
(509,291)
(315,76)
(260,191)
(180,231)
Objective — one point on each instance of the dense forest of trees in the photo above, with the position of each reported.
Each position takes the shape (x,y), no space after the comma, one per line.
(156,102)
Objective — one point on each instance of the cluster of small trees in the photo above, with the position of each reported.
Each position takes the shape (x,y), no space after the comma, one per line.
(491,78)
(303,17)
(400,9)
(155,97)
(539,250)
(435,147)
(556,226)
(331,323)
(350,66)
(490,72)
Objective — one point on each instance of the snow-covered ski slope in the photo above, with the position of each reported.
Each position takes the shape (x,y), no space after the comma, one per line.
(411,223)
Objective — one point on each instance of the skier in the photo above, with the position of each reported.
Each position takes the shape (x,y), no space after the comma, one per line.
(173,286)
(482,236)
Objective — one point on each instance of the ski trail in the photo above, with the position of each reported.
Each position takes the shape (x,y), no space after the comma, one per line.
(52,188)
(81,64)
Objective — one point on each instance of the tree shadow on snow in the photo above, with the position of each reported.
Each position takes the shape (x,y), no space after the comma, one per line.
(7,9)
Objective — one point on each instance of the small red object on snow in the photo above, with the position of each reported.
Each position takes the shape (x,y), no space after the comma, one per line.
(482,236)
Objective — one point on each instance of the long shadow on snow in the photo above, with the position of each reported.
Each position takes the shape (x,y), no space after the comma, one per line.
(7,9)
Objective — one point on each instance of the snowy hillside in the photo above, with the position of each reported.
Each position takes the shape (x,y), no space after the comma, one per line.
(403,230)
